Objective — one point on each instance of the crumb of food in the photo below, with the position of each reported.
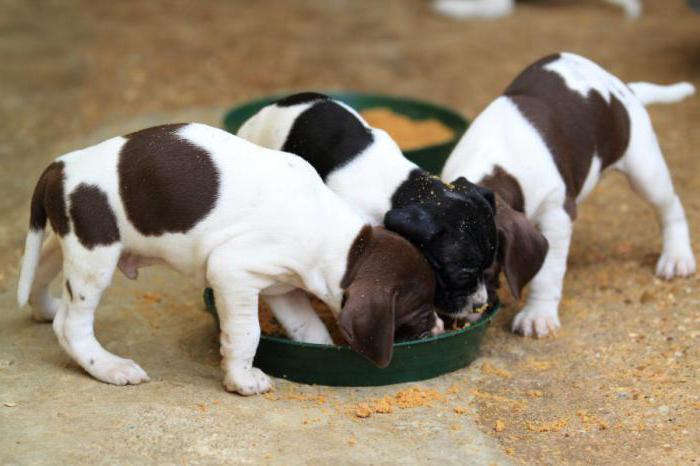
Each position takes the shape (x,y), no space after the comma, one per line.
(552,426)
(413,397)
(9,404)
(510,451)
(500,426)
(202,407)
(535,393)
(491,398)
(461,410)
(408,133)
(454,388)
(481,309)
(459,324)
(363,411)
(488,368)
(352,441)
(456,427)
(153,297)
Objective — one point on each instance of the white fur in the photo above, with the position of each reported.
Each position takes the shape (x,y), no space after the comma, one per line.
(269,234)
(491,9)
(502,136)
(381,167)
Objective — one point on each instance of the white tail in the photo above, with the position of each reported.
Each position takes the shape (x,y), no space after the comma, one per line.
(649,93)
(30,261)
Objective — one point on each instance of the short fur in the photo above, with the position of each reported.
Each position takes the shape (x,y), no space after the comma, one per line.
(454,227)
(543,145)
(233,216)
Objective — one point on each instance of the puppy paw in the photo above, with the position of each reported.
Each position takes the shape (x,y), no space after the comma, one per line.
(44,310)
(536,322)
(117,371)
(247,382)
(675,264)
(318,336)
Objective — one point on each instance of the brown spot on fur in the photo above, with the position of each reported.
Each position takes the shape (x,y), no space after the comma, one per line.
(390,287)
(521,247)
(48,201)
(94,221)
(574,127)
(167,183)
(506,186)
(69,289)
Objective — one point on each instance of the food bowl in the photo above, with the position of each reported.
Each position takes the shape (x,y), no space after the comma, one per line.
(340,366)
(431,157)
(412,360)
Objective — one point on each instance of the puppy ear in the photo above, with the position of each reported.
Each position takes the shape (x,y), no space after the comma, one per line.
(522,247)
(413,223)
(367,323)
(464,185)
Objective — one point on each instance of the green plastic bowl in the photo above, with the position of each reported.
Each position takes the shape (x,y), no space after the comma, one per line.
(340,366)
(431,158)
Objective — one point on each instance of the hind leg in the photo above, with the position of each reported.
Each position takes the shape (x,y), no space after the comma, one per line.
(87,273)
(44,305)
(299,319)
(648,175)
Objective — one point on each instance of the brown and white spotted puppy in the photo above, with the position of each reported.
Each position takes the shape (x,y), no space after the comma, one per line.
(542,146)
(245,220)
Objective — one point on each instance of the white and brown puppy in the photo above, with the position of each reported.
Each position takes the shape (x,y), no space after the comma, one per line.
(543,145)
(452,224)
(245,220)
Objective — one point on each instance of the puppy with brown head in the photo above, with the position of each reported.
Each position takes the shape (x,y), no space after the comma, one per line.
(542,146)
(388,291)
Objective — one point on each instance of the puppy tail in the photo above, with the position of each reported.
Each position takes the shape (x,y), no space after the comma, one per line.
(649,93)
(33,242)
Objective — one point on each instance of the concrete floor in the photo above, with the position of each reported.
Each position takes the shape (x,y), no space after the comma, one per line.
(619,385)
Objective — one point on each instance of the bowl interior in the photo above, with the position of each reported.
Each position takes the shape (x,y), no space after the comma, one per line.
(431,158)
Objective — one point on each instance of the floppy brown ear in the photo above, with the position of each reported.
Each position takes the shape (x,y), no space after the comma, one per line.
(367,322)
(522,247)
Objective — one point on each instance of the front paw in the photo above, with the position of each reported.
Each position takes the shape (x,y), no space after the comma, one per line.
(675,264)
(536,321)
(247,381)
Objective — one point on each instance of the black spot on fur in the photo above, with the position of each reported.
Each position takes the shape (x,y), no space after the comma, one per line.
(300,98)
(82,298)
(94,221)
(327,136)
(167,183)
(574,127)
(48,201)
(69,289)
(92,362)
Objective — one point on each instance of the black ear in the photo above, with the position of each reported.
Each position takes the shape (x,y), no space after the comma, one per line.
(413,223)
(367,322)
(464,185)
(522,247)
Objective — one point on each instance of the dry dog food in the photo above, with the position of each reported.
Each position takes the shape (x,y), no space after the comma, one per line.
(409,134)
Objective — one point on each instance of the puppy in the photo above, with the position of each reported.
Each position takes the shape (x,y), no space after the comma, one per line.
(452,224)
(490,9)
(543,145)
(244,220)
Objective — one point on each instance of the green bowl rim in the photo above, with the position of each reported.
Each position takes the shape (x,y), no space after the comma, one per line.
(488,316)
(457,119)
